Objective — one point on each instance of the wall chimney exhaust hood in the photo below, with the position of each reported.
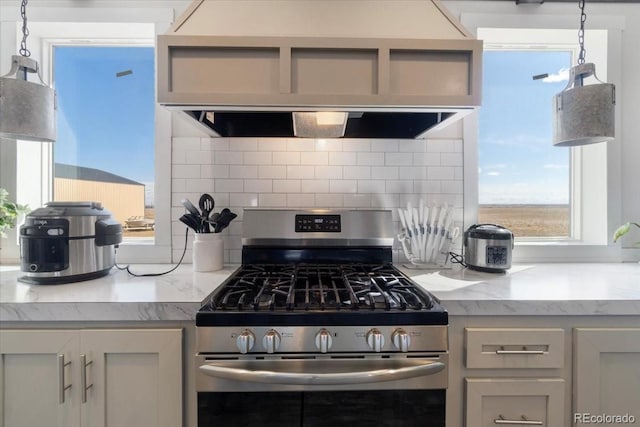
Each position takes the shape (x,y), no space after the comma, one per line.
(284,68)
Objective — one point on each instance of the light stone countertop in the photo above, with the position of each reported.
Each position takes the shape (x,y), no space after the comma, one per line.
(542,289)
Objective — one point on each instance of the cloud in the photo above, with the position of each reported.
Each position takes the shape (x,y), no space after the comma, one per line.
(521,140)
(561,76)
(523,193)
(494,173)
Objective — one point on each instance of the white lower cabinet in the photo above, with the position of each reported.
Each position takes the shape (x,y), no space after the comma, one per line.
(91,377)
(514,401)
(606,376)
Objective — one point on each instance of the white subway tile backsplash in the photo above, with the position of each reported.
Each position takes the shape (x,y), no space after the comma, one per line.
(301,200)
(301,144)
(330,145)
(228,158)
(301,173)
(385,172)
(286,186)
(356,172)
(398,159)
(240,200)
(371,186)
(258,158)
(328,172)
(272,172)
(329,200)
(357,200)
(385,145)
(399,186)
(258,185)
(314,186)
(451,159)
(229,185)
(343,186)
(185,171)
(244,172)
(286,158)
(371,159)
(426,159)
(439,172)
(342,158)
(214,171)
(314,158)
(272,144)
(272,200)
(243,144)
(357,145)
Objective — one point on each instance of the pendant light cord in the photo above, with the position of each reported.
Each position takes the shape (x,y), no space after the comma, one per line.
(25,31)
(583,18)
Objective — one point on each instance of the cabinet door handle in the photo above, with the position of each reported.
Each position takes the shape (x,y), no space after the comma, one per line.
(523,421)
(62,387)
(524,350)
(83,374)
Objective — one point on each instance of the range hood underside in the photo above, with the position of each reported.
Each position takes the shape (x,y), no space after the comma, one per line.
(376,124)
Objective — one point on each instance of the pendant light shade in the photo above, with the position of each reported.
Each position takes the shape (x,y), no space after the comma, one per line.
(583,114)
(27,109)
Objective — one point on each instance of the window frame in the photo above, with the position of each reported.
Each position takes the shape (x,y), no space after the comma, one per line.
(591,242)
(113,27)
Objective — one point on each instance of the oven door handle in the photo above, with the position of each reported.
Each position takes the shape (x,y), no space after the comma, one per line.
(313,378)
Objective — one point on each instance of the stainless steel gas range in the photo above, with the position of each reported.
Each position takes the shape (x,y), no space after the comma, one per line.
(317,327)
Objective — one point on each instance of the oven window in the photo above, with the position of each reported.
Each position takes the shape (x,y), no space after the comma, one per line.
(401,408)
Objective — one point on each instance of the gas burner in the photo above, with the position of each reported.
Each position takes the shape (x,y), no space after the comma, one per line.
(322,287)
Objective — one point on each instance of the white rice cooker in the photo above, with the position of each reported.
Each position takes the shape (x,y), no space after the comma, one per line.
(488,248)
(66,242)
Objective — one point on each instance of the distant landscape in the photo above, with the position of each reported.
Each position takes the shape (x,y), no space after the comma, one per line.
(528,220)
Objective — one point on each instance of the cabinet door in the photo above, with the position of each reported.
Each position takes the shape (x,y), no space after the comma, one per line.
(515,401)
(38,378)
(132,377)
(606,374)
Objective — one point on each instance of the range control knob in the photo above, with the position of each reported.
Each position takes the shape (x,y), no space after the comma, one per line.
(375,339)
(245,341)
(401,340)
(271,341)
(323,340)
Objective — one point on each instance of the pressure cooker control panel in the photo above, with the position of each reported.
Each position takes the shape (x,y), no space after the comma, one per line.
(318,223)
(497,255)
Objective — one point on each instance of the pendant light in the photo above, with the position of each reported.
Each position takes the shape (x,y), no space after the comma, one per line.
(27,109)
(583,114)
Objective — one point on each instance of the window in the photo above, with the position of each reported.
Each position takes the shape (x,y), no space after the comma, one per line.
(524,181)
(132,34)
(106,131)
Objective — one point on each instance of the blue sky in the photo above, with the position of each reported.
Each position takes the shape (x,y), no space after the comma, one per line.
(517,161)
(91,99)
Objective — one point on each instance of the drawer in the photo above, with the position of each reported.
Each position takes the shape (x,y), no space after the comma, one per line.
(514,348)
(514,401)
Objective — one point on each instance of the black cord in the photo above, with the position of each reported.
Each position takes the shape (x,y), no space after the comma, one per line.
(457,259)
(184,251)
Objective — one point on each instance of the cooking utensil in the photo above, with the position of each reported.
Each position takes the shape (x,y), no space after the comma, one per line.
(223,221)
(206,204)
(488,247)
(190,207)
(190,222)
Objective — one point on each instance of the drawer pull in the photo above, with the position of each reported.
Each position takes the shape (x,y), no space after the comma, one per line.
(524,350)
(523,421)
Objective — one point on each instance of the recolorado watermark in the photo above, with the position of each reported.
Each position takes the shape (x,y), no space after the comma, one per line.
(587,418)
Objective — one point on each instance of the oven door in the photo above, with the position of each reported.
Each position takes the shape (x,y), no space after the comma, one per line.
(292,390)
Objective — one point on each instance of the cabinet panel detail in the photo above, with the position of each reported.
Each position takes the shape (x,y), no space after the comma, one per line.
(514,401)
(519,348)
(606,372)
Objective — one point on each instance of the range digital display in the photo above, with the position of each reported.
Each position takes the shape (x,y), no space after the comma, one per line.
(318,223)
